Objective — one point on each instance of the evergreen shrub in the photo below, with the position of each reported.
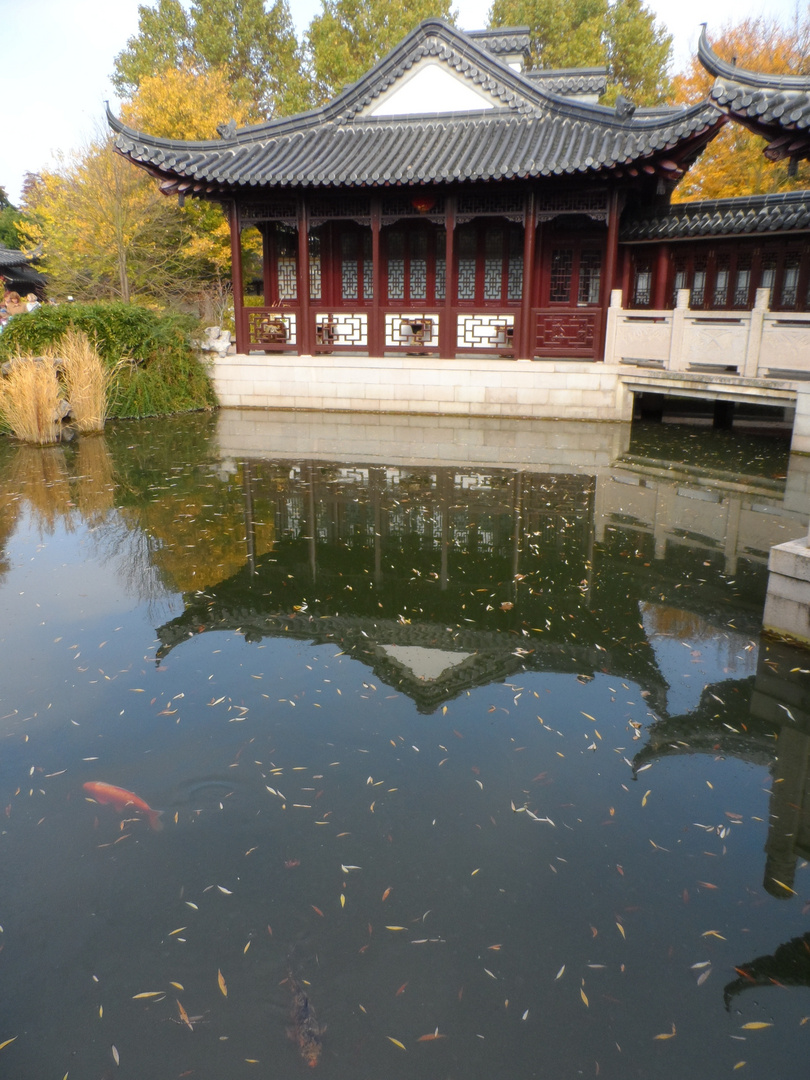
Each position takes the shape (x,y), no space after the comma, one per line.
(163,374)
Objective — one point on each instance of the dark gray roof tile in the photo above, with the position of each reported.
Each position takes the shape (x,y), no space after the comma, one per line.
(751,215)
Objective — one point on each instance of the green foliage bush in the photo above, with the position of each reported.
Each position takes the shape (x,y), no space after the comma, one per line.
(165,375)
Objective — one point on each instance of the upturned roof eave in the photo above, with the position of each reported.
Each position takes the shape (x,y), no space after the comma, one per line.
(722,69)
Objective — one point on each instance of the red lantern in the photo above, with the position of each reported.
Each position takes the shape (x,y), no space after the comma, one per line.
(423,203)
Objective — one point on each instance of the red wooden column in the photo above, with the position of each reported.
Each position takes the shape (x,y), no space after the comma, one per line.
(376,330)
(236,279)
(302,280)
(269,264)
(448,332)
(525,344)
(611,259)
(659,297)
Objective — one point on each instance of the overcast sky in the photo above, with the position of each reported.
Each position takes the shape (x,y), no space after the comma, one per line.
(56,57)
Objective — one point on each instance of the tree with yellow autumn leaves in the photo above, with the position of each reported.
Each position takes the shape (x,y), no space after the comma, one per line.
(105,229)
(733,163)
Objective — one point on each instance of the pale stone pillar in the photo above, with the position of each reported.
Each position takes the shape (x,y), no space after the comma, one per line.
(800,443)
(754,345)
(679,316)
(614,314)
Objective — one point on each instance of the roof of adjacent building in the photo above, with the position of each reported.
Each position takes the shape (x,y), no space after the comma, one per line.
(504,40)
(521,130)
(9,257)
(746,215)
(567,81)
(774,106)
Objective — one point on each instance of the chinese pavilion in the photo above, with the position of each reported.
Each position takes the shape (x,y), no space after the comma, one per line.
(452,203)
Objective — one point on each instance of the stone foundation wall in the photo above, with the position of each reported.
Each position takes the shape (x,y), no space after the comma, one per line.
(558,390)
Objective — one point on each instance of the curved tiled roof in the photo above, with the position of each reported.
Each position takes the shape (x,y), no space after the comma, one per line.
(774,106)
(9,257)
(528,133)
(751,215)
(570,80)
(504,40)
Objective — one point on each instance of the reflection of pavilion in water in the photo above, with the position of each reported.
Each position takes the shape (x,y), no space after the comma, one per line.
(766,721)
(438,579)
(446,578)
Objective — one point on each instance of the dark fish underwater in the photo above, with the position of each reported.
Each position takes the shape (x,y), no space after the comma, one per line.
(304,1028)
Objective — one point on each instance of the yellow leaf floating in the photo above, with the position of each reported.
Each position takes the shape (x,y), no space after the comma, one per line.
(756,1025)
(396,1042)
(396,928)
(621,930)
(584,997)
(739,1065)
(712,933)
(148,994)
(221,982)
(115,1055)
(666,1034)
(11,1040)
(644,800)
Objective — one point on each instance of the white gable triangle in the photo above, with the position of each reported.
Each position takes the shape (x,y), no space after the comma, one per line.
(426,664)
(431,87)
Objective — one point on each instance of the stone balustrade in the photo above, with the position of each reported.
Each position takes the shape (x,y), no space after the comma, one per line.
(754,344)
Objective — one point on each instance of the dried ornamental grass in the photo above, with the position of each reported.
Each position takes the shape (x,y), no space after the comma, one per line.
(87,380)
(29,400)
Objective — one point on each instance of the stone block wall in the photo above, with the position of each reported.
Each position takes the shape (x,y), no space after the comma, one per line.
(544,389)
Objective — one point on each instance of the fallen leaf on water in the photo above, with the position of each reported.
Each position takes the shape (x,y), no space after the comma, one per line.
(317,910)
(401,989)
(666,1034)
(644,800)
(386,894)
(712,933)
(184,1015)
(11,1040)
(782,885)
(222,985)
(342,900)
(756,1025)
(115,1055)
(559,974)
(147,994)
(621,930)
(583,995)
(739,1065)
(396,928)
(429,1038)
(396,1042)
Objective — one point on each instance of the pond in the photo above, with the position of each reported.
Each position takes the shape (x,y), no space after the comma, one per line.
(454,750)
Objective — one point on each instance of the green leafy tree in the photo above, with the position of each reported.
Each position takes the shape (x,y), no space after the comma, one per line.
(9,216)
(163,41)
(256,46)
(622,36)
(348,37)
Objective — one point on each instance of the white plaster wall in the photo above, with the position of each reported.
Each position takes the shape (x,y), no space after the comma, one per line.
(430,87)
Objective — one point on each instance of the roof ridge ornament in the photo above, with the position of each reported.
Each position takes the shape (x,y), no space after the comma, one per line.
(624,107)
(227,131)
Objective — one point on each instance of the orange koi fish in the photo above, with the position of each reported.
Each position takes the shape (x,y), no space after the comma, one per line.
(304,1029)
(121,799)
